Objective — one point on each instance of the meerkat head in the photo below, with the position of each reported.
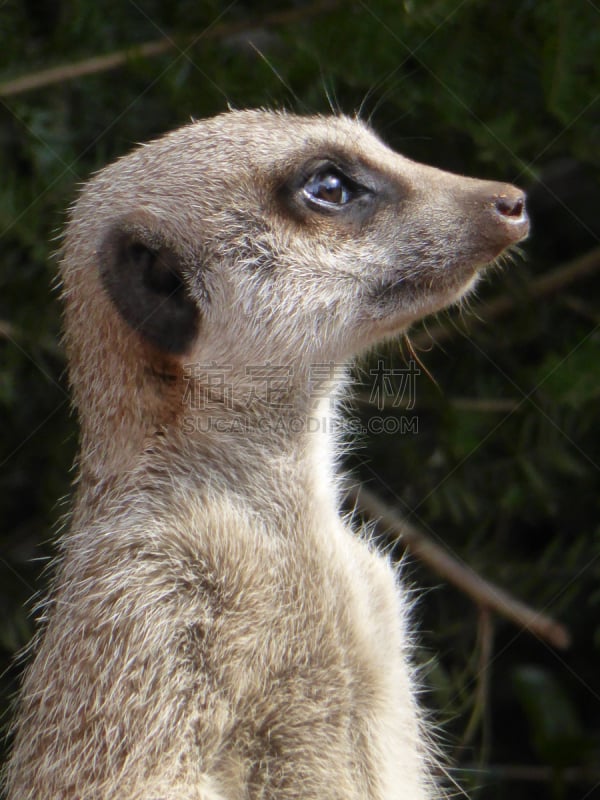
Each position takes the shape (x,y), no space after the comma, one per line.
(261,237)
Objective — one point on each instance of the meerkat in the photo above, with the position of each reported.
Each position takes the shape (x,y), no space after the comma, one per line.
(217,631)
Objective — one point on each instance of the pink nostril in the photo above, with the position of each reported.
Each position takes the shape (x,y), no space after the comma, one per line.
(510,207)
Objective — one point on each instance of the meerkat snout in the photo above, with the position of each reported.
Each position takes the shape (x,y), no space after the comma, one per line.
(504,222)
(508,206)
(217,630)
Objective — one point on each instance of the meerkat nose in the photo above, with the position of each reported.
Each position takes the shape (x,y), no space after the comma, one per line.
(510,203)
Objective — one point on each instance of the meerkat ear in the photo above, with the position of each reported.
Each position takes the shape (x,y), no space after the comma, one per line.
(144,277)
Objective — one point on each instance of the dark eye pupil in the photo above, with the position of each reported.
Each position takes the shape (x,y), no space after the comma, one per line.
(328,187)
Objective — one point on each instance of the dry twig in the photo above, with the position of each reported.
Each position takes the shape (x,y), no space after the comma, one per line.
(534,773)
(7,329)
(480,713)
(110,61)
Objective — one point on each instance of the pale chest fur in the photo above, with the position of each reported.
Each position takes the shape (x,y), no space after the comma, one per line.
(300,635)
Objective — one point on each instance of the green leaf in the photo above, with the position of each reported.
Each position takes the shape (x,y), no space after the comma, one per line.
(556,730)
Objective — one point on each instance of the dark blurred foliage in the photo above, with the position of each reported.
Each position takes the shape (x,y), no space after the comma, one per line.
(504,467)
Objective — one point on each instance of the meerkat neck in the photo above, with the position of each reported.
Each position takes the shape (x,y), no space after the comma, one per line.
(288,442)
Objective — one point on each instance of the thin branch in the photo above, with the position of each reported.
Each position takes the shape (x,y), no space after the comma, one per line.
(483,405)
(7,329)
(482,592)
(582,309)
(533,773)
(485,644)
(551,282)
(110,61)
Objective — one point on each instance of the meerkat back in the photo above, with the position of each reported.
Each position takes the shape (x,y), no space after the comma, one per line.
(215,630)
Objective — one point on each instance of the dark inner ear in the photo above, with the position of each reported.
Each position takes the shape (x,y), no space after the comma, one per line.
(146,285)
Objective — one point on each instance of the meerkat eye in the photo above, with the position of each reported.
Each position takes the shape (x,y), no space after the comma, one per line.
(328,187)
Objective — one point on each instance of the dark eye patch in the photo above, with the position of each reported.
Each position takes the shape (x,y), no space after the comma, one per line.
(345,189)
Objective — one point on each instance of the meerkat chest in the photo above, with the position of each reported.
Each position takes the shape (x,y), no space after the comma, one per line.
(309,649)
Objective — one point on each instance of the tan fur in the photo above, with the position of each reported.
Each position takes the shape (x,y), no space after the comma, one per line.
(217,632)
